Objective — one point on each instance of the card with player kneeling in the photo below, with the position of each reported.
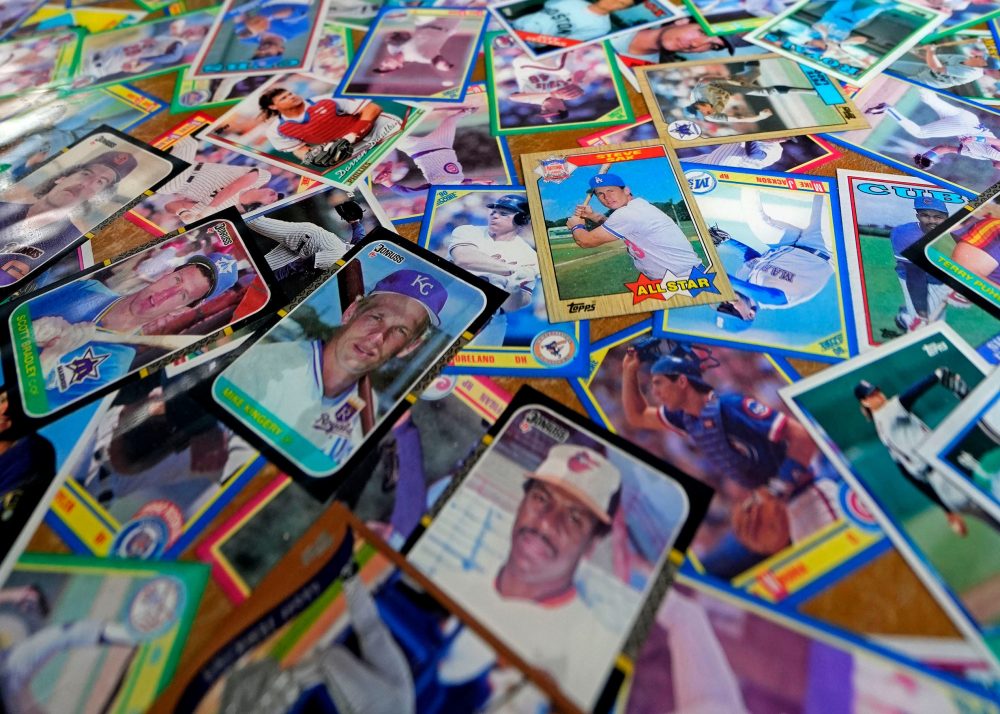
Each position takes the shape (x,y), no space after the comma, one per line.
(559,539)
(337,370)
(640,247)
(871,416)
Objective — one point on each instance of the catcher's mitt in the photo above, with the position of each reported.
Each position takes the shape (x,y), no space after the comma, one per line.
(350,211)
(952,381)
(329,154)
(921,161)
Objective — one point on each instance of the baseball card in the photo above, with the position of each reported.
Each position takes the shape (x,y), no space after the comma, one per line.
(39,62)
(640,247)
(578,89)
(36,134)
(71,263)
(641,129)
(545,28)
(72,196)
(750,97)
(337,370)
(346,624)
(197,94)
(734,17)
(452,146)
(334,52)
(714,650)
(487,230)
(961,14)
(965,64)
(947,140)
(681,39)
(902,391)
(79,338)
(405,473)
(90,634)
(423,54)
(784,524)
(357,14)
(146,50)
(778,237)
(91,19)
(260,37)
(558,538)
(883,216)
(15,12)
(852,40)
(294,121)
(216,179)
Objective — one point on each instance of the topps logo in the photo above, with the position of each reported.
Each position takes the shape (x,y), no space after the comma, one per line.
(934,348)
(382,250)
(546,426)
(581,307)
(223,233)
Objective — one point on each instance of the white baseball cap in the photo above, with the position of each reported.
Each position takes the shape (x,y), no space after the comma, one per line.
(584,473)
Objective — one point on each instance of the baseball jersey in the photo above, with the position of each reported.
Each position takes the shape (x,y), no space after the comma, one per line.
(901,238)
(844,16)
(749,155)
(954,74)
(541,76)
(977,147)
(31,244)
(985,236)
(202,182)
(813,506)
(427,40)
(321,122)
(516,252)
(439,166)
(793,273)
(565,18)
(654,241)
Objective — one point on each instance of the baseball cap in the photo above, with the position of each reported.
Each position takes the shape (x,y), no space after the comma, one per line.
(864,389)
(928,203)
(121,162)
(222,270)
(512,202)
(422,287)
(584,473)
(672,364)
(992,63)
(607,180)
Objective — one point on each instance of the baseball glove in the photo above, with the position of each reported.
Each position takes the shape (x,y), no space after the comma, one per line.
(718,235)
(952,381)
(350,211)
(921,161)
(329,154)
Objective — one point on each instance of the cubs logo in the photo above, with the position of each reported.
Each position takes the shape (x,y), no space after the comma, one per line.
(452,168)
(756,409)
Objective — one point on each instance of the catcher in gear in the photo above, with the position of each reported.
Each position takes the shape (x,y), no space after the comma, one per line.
(329,154)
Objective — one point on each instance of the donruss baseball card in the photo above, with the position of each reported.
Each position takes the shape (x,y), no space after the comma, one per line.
(452,146)
(892,295)
(72,196)
(548,27)
(80,337)
(750,97)
(294,121)
(578,89)
(779,239)
(338,369)
(948,140)
(487,231)
(615,234)
(424,54)
(870,416)
(784,524)
(40,62)
(734,17)
(94,633)
(216,179)
(852,40)
(402,477)
(260,37)
(965,64)
(562,597)
(346,624)
(694,657)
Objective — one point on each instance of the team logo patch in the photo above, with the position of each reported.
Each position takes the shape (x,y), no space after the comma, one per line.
(756,409)
(86,366)
(553,348)
(555,169)
(143,538)
(684,130)
(700,181)
(452,168)
(156,606)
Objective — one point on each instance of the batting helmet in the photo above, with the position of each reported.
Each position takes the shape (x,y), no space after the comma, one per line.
(677,365)
(864,389)
(515,203)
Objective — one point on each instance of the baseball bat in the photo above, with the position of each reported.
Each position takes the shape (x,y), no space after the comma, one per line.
(351,282)
(167,342)
(952,43)
(590,192)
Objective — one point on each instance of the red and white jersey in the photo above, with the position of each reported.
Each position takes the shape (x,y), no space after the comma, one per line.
(541,76)
(325,119)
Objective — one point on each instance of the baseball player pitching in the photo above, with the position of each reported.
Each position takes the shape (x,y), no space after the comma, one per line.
(423,45)
(548,84)
(947,70)
(656,244)
(791,273)
(903,433)
(757,154)
(711,95)
(579,19)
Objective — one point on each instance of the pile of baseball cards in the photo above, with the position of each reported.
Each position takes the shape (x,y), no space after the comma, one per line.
(514,356)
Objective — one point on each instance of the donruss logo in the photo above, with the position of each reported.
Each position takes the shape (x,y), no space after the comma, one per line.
(392,255)
(222,231)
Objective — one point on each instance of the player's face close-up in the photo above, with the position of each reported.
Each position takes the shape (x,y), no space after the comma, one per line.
(687,38)
(929,220)
(614,5)
(501,221)
(613,197)
(287,102)
(170,292)
(79,186)
(874,401)
(386,327)
(668,392)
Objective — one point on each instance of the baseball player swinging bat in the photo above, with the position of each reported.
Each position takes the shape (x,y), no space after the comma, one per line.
(352,286)
(590,191)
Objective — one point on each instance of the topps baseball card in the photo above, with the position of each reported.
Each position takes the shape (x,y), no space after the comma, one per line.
(216,179)
(784,524)
(487,231)
(734,17)
(947,140)
(294,121)
(852,40)
(72,196)
(404,474)
(94,634)
(870,416)
(565,598)
(338,369)
(146,50)
(696,657)
(260,37)
(778,237)
(961,14)
(346,624)
(641,246)
(80,337)
(965,64)
(678,40)
(423,54)
(452,146)
(578,89)
(883,216)
(41,62)
(751,97)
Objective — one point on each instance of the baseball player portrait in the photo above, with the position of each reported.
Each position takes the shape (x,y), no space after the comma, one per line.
(579,20)
(256,18)
(711,96)
(676,41)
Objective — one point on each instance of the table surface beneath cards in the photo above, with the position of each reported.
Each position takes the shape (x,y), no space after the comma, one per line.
(858,602)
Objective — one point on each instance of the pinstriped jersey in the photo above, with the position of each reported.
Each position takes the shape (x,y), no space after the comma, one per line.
(322,121)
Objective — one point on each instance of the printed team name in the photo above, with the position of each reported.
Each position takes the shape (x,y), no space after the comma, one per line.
(546,426)
(813,54)
(881,189)
(833,344)
(582,307)
(392,255)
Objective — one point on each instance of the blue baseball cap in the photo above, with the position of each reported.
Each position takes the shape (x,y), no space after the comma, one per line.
(607,180)
(927,203)
(673,364)
(422,287)
(992,63)
(223,271)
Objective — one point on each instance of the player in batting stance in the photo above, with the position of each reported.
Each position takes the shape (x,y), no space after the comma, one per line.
(903,433)
(657,245)
(711,95)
